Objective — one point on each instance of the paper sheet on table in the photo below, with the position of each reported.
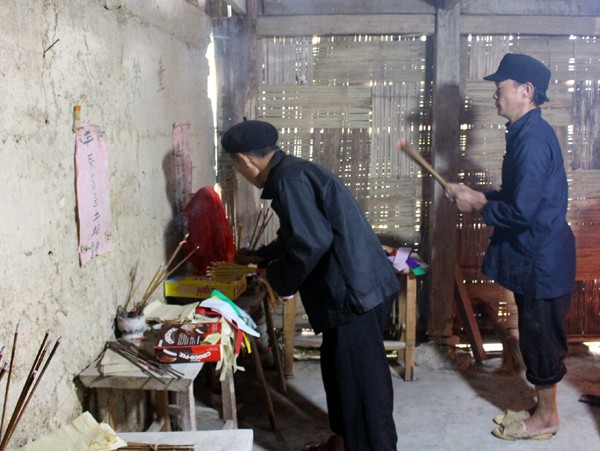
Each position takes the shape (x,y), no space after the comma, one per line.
(159,311)
(83,433)
(399,260)
(112,364)
(229,314)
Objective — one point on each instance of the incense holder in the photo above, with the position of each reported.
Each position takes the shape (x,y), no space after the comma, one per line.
(131,327)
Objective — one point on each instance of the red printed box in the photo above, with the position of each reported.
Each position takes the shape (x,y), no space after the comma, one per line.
(185,343)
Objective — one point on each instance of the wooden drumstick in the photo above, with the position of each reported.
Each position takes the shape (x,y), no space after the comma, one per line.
(418,158)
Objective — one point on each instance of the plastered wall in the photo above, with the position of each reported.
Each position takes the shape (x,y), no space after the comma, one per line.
(135,67)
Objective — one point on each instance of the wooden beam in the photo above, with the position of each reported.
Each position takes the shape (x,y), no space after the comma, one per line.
(531,7)
(362,7)
(442,237)
(345,25)
(540,25)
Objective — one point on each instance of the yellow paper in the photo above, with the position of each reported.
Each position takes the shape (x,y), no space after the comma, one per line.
(159,311)
(83,433)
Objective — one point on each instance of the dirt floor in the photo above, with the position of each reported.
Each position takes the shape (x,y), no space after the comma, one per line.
(449,406)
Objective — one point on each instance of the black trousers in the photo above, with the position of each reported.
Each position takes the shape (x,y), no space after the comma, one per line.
(358,381)
(542,337)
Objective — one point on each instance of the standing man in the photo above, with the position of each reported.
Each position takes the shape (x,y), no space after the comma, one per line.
(326,250)
(532,249)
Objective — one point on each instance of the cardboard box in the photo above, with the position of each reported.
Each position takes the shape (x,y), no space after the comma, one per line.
(184,343)
(199,287)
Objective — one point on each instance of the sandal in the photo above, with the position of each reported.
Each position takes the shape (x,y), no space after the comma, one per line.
(516,431)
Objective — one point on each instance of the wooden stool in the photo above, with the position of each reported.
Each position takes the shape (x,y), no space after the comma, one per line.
(182,387)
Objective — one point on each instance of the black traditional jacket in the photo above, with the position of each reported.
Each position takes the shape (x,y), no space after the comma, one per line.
(325,248)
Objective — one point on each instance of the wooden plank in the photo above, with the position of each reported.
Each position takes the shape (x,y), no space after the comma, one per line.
(320,7)
(289,332)
(466,310)
(229,402)
(446,109)
(539,25)
(531,7)
(312,25)
(231,440)
(410,324)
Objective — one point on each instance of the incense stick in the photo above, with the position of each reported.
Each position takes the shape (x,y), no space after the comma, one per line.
(256,225)
(134,446)
(29,388)
(262,228)
(161,274)
(3,370)
(12,359)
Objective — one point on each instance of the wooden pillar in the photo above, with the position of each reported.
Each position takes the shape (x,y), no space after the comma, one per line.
(445,149)
(238,55)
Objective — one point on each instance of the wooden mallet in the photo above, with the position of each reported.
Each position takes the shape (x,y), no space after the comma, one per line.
(418,158)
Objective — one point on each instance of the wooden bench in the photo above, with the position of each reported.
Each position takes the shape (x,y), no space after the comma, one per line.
(183,388)
(234,440)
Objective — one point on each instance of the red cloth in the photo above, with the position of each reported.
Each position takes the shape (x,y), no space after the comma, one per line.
(209,229)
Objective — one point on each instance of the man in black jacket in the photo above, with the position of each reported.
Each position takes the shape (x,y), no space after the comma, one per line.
(326,250)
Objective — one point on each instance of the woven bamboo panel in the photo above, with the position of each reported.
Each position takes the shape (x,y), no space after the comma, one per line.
(360,59)
(293,57)
(343,102)
(574,111)
(298,106)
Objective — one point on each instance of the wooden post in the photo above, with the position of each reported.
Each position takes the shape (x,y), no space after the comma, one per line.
(410,322)
(443,238)
(466,311)
(289,332)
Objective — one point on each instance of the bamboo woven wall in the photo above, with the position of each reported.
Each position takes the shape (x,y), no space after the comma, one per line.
(574,112)
(343,102)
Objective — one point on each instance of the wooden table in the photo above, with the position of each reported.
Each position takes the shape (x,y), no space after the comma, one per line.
(405,309)
(161,385)
(233,440)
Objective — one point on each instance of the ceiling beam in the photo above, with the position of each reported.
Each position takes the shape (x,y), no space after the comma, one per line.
(542,25)
(360,7)
(424,24)
(345,25)
(531,7)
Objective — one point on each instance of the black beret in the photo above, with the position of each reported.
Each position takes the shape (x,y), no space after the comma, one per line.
(249,135)
(523,69)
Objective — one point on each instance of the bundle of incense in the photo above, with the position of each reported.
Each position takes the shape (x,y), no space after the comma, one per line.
(162,273)
(226,270)
(144,361)
(29,387)
(133,446)
(262,219)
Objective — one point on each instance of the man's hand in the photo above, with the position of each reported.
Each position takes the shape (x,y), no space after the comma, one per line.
(245,256)
(467,200)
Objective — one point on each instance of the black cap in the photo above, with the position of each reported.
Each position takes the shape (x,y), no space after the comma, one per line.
(523,69)
(249,135)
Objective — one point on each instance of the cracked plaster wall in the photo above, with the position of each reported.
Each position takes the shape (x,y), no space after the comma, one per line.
(135,67)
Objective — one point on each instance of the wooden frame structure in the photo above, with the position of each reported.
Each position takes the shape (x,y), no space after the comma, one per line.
(447,22)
